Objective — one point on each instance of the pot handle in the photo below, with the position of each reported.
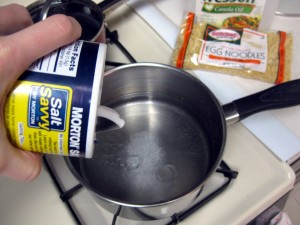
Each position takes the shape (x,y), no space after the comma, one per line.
(282,95)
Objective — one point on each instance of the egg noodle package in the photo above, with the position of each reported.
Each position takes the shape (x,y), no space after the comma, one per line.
(231,47)
(53,106)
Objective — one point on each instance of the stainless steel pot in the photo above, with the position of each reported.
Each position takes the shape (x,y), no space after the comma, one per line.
(173,139)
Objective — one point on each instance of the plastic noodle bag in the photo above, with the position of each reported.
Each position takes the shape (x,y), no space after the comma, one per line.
(239,52)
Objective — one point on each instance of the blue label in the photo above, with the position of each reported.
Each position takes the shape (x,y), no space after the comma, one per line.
(47,108)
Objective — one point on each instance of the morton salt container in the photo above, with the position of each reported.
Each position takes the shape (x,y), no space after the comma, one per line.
(53,106)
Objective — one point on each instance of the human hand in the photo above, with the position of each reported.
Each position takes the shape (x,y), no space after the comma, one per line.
(21,43)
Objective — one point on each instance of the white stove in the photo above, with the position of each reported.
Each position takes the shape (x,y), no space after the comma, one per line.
(262,178)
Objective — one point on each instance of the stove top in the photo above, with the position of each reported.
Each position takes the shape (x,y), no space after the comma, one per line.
(246,197)
(74,196)
(86,210)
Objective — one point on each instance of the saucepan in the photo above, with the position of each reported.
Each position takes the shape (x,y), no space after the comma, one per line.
(89,14)
(173,139)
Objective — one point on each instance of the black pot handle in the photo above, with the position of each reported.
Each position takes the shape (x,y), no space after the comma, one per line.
(280,96)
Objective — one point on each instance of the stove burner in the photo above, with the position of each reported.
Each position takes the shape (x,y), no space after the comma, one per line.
(223,169)
(228,173)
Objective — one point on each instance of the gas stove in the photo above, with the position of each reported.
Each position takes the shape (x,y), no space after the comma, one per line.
(255,180)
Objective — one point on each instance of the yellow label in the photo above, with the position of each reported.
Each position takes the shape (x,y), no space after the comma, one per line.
(37,117)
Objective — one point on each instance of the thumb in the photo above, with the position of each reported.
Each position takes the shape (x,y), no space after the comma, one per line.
(18,164)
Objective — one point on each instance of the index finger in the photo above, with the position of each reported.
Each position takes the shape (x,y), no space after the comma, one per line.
(13,17)
(19,50)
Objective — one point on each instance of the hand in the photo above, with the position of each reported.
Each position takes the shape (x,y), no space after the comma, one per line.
(21,43)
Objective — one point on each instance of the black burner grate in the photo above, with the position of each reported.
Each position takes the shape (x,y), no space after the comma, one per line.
(224,169)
